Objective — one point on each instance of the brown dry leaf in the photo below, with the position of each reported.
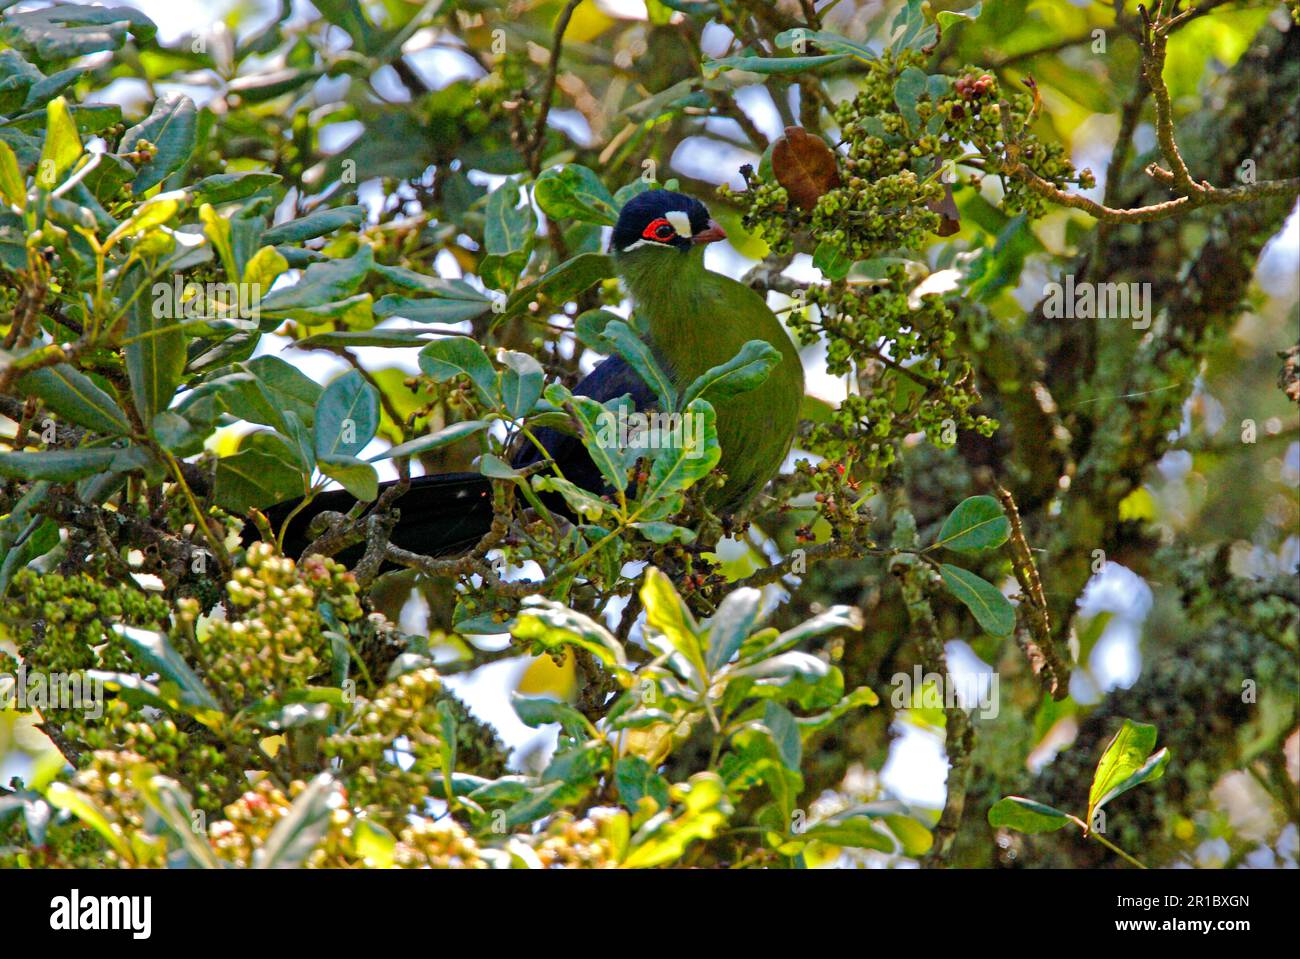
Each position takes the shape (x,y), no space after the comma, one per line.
(805,166)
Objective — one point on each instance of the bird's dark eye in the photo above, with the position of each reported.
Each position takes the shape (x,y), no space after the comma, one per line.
(659,230)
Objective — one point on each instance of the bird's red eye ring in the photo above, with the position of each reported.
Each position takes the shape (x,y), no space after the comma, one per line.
(659,230)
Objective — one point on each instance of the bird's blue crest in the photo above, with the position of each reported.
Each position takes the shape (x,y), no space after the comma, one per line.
(644,208)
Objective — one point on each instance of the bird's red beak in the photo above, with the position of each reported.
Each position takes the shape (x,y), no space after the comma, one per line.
(710,233)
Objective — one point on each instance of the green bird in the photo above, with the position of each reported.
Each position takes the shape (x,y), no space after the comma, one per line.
(696,319)
(693,319)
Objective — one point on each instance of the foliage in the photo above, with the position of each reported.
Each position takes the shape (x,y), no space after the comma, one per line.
(285,689)
(265,710)
(1127,762)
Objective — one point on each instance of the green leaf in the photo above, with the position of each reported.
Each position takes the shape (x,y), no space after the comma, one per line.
(508,226)
(495,467)
(796,677)
(240,394)
(64,31)
(302,827)
(536,711)
(677,468)
(153,212)
(155,357)
(357,477)
(1127,762)
(262,86)
(386,338)
(781,726)
(132,689)
(453,356)
(347,415)
(172,805)
(315,224)
(324,289)
(635,188)
(172,127)
(770,66)
(732,623)
(287,386)
(977,524)
(600,441)
(252,479)
(434,309)
(664,840)
(837,617)
(13,186)
(855,833)
(909,31)
(1025,815)
(671,627)
(561,284)
(155,652)
(661,532)
(73,396)
(587,505)
(911,85)
(443,437)
(589,328)
(991,609)
(862,696)
(57,466)
(375,844)
(947,18)
(521,383)
(826,40)
(745,371)
(502,272)
(62,796)
(219,232)
(832,261)
(553,625)
(62,145)
(262,270)
(634,349)
(226,187)
(635,779)
(574,192)
(176,433)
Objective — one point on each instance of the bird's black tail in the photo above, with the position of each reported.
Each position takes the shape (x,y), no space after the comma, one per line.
(441,514)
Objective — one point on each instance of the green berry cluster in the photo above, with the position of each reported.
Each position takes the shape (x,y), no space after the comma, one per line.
(910,375)
(892,160)
(207,768)
(572,843)
(75,616)
(406,707)
(273,638)
(436,844)
(251,818)
(107,778)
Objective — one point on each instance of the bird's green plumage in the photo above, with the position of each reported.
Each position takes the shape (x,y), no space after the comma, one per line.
(695,319)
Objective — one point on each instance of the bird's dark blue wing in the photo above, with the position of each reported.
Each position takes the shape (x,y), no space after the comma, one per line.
(448,513)
(612,378)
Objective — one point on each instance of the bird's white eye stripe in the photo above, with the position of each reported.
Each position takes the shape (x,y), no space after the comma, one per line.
(640,243)
(681,222)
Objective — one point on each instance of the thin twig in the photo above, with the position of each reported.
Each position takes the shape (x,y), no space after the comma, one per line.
(534,150)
